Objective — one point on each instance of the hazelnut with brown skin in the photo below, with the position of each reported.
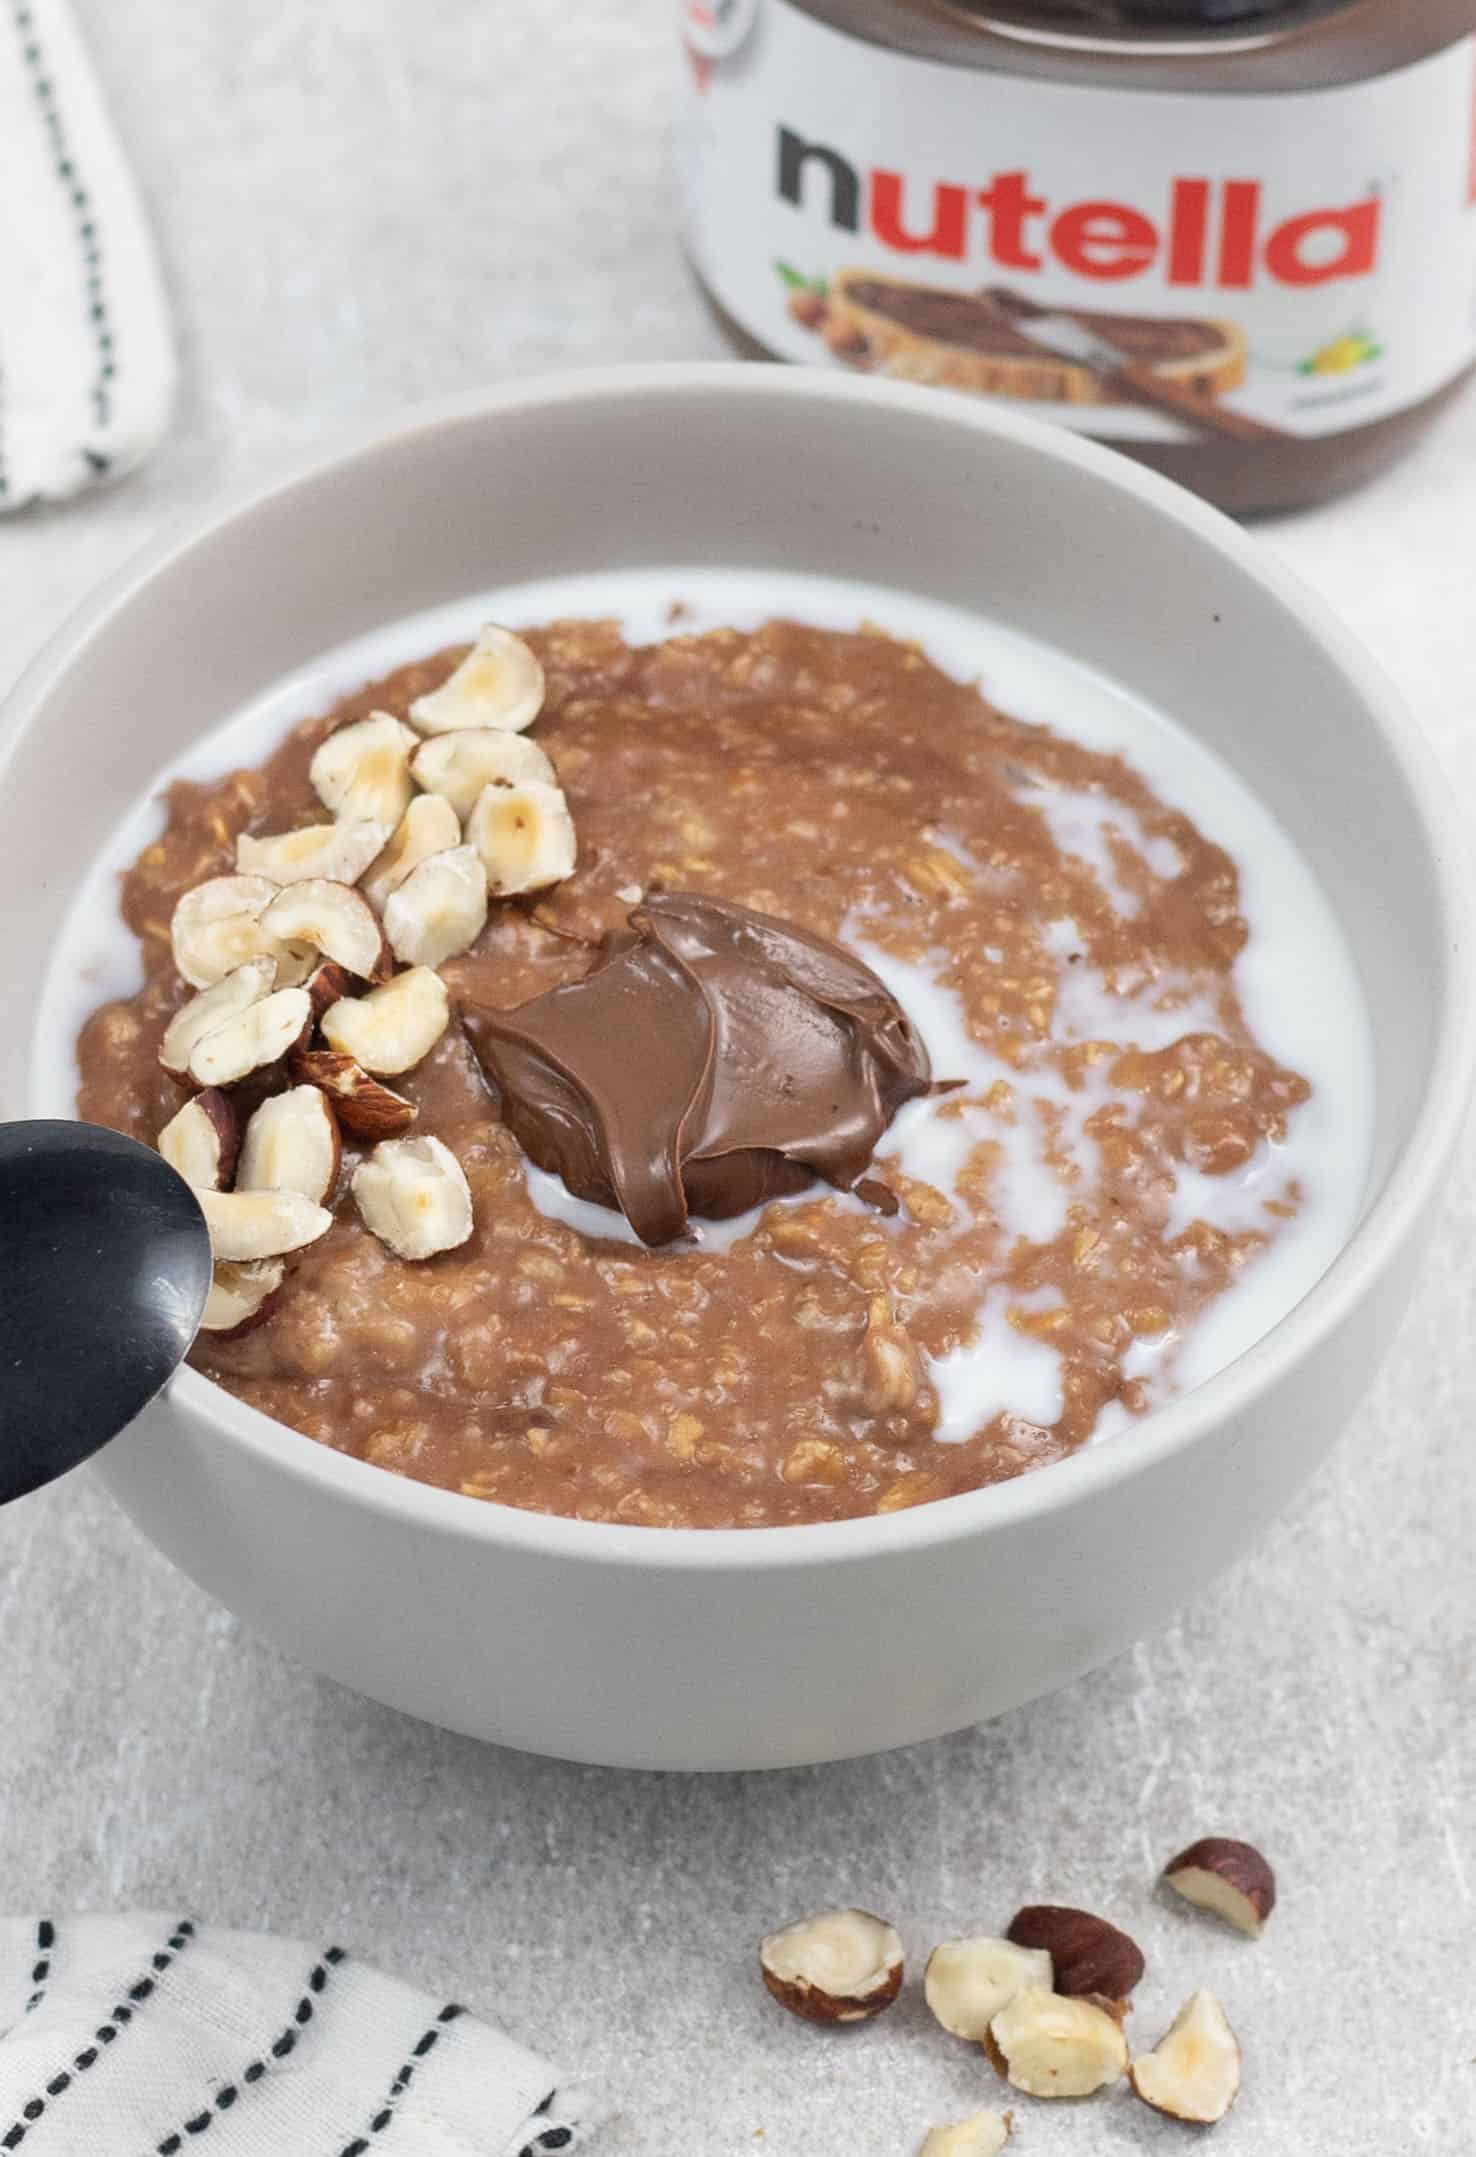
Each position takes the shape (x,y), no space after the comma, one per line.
(1232,1879)
(837,1966)
(1088,1955)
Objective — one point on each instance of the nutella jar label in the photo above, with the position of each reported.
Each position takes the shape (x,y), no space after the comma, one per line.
(1146,266)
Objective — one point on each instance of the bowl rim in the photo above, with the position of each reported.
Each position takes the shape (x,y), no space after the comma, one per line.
(1409,1187)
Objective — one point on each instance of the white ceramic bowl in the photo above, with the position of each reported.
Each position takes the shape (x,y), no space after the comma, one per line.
(662,1648)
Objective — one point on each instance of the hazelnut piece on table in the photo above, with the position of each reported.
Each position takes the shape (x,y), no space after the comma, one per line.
(1232,1879)
(835,1966)
(983,2135)
(1193,2072)
(968,1982)
(1054,2047)
(1087,1954)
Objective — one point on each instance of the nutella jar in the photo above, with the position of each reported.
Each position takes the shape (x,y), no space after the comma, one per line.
(1234,238)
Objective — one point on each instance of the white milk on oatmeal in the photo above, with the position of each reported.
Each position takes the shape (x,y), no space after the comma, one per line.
(1296,980)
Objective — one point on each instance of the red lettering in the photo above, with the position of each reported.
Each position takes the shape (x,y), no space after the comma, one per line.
(1239,218)
(1213,236)
(1008,203)
(949,233)
(1353,235)
(1188,232)
(1105,240)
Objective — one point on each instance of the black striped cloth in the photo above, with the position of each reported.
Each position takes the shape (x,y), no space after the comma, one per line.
(87,366)
(148,2035)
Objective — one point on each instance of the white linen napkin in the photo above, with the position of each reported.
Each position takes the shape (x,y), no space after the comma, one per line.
(122,2036)
(87,368)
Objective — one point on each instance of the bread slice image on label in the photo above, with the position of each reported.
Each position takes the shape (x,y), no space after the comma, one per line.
(975,341)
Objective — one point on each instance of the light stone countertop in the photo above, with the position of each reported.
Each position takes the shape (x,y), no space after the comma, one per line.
(361,204)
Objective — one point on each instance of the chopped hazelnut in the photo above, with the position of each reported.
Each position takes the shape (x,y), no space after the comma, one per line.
(968,1982)
(1193,2072)
(202,1140)
(225,999)
(1054,2047)
(1230,1878)
(241,1296)
(837,1966)
(1088,1954)
(982,2135)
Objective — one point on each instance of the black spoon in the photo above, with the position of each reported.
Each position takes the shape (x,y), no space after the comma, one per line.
(104,1271)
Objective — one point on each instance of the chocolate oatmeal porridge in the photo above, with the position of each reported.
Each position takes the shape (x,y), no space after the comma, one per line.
(886,1025)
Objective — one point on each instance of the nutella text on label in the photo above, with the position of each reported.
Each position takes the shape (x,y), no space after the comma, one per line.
(1206,233)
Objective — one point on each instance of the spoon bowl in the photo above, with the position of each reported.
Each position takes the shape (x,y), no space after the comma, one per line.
(104,1271)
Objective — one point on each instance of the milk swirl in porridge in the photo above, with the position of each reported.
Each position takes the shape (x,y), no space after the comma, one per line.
(1119,1123)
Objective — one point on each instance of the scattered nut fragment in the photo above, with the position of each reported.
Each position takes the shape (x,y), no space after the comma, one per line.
(1193,2072)
(363,1107)
(331,918)
(393,1027)
(1230,1878)
(837,1966)
(201,1142)
(457,766)
(1054,2047)
(211,1008)
(256,1037)
(340,851)
(429,826)
(261,1224)
(440,909)
(241,1296)
(525,836)
(1087,1954)
(968,1982)
(498,684)
(216,927)
(326,983)
(291,1144)
(983,2135)
(413,1194)
(363,771)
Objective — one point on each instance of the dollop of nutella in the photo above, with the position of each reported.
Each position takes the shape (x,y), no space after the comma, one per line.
(711,1059)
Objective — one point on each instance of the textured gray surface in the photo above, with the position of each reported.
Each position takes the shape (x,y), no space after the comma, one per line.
(355,212)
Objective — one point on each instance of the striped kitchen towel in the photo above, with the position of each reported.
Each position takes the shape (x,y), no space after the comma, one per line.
(124,2036)
(87,369)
